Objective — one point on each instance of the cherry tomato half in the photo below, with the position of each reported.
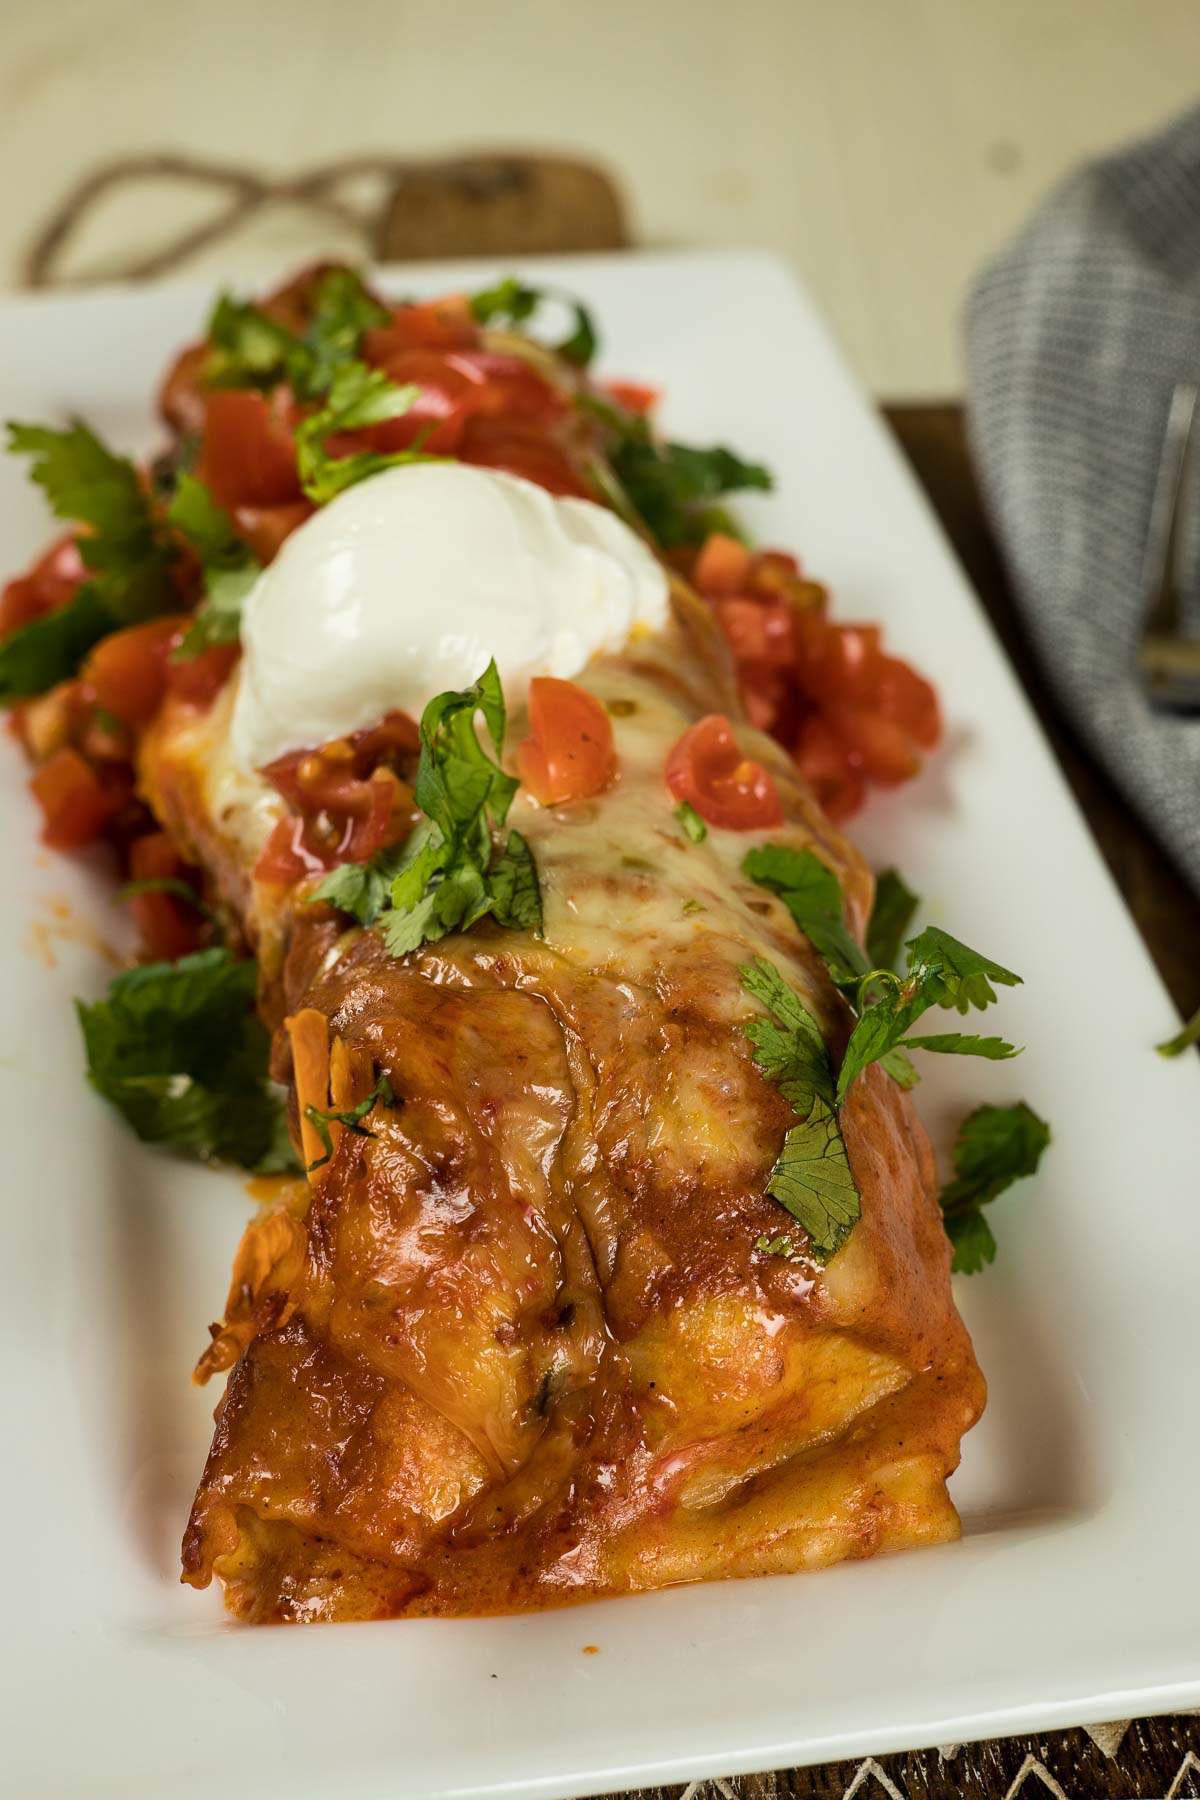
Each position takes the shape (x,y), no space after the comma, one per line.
(707,769)
(569,753)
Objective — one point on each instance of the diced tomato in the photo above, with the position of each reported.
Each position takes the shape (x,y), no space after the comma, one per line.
(182,398)
(265,528)
(199,679)
(53,581)
(723,565)
(167,926)
(759,631)
(76,805)
(247,454)
(908,698)
(446,324)
(825,763)
(634,396)
(569,753)
(707,769)
(126,673)
(521,448)
(882,750)
(775,571)
(289,854)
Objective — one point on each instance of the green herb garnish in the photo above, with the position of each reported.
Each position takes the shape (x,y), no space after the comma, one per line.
(996,1146)
(1183,1040)
(250,349)
(510,302)
(230,569)
(813,895)
(670,489)
(352,1119)
(180,1051)
(446,876)
(891,916)
(693,825)
(811,1177)
(128,554)
(167,884)
(358,397)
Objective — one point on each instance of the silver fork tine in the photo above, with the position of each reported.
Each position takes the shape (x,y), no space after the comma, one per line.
(1168,661)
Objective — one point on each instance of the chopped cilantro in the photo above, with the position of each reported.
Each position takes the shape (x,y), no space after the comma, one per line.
(446,876)
(1183,1040)
(510,302)
(180,1051)
(891,916)
(358,397)
(813,895)
(352,1119)
(693,825)
(812,1177)
(996,1146)
(250,349)
(128,554)
(230,570)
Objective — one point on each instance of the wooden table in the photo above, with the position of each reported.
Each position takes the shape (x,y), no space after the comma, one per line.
(1148,1759)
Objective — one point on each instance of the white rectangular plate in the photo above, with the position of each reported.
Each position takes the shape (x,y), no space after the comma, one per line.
(1073,1594)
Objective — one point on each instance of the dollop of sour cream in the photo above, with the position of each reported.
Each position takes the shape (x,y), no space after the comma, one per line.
(409,583)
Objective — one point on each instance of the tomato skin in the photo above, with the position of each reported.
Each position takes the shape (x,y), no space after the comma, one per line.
(76,805)
(247,453)
(289,854)
(446,324)
(569,754)
(707,769)
(265,528)
(167,927)
(126,673)
(826,765)
(199,679)
(519,447)
(53,581)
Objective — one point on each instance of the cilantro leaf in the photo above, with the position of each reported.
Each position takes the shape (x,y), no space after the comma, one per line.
(954,974)
(248,348)
(813,895)
(358,397)
(230,570)
(667,484)
(1175,1046)
(891,916)
(168,884)
(361,889)
(788,1045)
(516,891)
(973,1241)
(693,825)
(126,551)
(942,971)
(37,656)
(511,302)
(446,876)
(812,1177)
(996,1146)
(812,1180)
(957,1043)
(180,1051)
(352,1119)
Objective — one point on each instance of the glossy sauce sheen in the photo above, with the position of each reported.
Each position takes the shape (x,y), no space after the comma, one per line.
(520,1348)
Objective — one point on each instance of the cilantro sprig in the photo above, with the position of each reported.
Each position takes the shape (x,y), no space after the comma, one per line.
(230,568)
(358,397)
(179,1050)
(996,1146)
(320,1120)
(511,302)
(812,1177)
(1183,1040)
(125,548)
(673,490)
(447,875)
(248,348)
